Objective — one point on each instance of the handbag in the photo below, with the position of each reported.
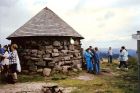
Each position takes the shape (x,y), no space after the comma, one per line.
(18,64)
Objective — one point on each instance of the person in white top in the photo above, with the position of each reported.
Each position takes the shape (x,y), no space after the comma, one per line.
(123,57)
(14,62)
(110,54)
(5,62)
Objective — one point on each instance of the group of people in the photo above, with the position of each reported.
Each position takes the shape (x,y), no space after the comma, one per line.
(9,63)
(92,57)
(123,57)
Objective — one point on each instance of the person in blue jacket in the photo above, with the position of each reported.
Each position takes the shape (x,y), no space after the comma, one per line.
(1,55)
(88,58)
(1,50)
(97,58)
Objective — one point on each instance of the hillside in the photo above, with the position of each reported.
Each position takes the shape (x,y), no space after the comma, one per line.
(116,51)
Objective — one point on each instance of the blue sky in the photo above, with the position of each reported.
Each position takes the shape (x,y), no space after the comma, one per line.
(103,23)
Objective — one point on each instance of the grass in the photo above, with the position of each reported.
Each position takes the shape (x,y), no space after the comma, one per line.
(30,78)
(120,82)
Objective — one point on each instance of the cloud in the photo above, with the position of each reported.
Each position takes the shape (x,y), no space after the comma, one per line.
(80,4)
(127,3)
(63,5)
(109,15)
(107,3)
(14,13)
(99,21)
(92,24)
(7,3)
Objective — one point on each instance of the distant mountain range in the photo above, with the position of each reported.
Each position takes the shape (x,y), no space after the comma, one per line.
(116,51)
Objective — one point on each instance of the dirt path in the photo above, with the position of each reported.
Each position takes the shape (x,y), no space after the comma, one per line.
(85,77)
(35,87)
(31,87)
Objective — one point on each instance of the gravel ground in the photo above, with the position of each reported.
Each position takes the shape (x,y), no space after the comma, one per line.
(22,88)
(34,87)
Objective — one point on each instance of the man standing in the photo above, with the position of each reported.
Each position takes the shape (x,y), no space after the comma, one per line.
(110,55)
(91,50)
(97,58)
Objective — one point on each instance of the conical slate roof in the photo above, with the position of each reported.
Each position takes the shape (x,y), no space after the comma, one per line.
(45,23)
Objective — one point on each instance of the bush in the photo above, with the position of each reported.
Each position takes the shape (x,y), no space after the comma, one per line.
(132,63)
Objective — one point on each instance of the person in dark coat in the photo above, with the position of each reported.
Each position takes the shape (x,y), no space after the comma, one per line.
(97,58)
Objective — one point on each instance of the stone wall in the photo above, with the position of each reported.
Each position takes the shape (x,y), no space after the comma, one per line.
(55,54)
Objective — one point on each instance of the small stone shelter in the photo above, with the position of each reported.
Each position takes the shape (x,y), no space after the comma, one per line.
(45,42)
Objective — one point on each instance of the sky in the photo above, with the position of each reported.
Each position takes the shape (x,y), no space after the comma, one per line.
(103,23)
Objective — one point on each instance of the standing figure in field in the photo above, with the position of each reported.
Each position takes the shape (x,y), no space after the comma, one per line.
(123,57)
(5,63)
(13,60)
(110,54)
(91,50)
(1,50)
(88,58)
(97,58)
(1,57)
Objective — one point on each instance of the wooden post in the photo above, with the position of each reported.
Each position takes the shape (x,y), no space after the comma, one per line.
(138,53)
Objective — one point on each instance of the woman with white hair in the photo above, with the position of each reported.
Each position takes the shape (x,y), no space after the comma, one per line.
(14,62)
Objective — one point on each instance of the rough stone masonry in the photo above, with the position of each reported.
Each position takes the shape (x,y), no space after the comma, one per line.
(47,55)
